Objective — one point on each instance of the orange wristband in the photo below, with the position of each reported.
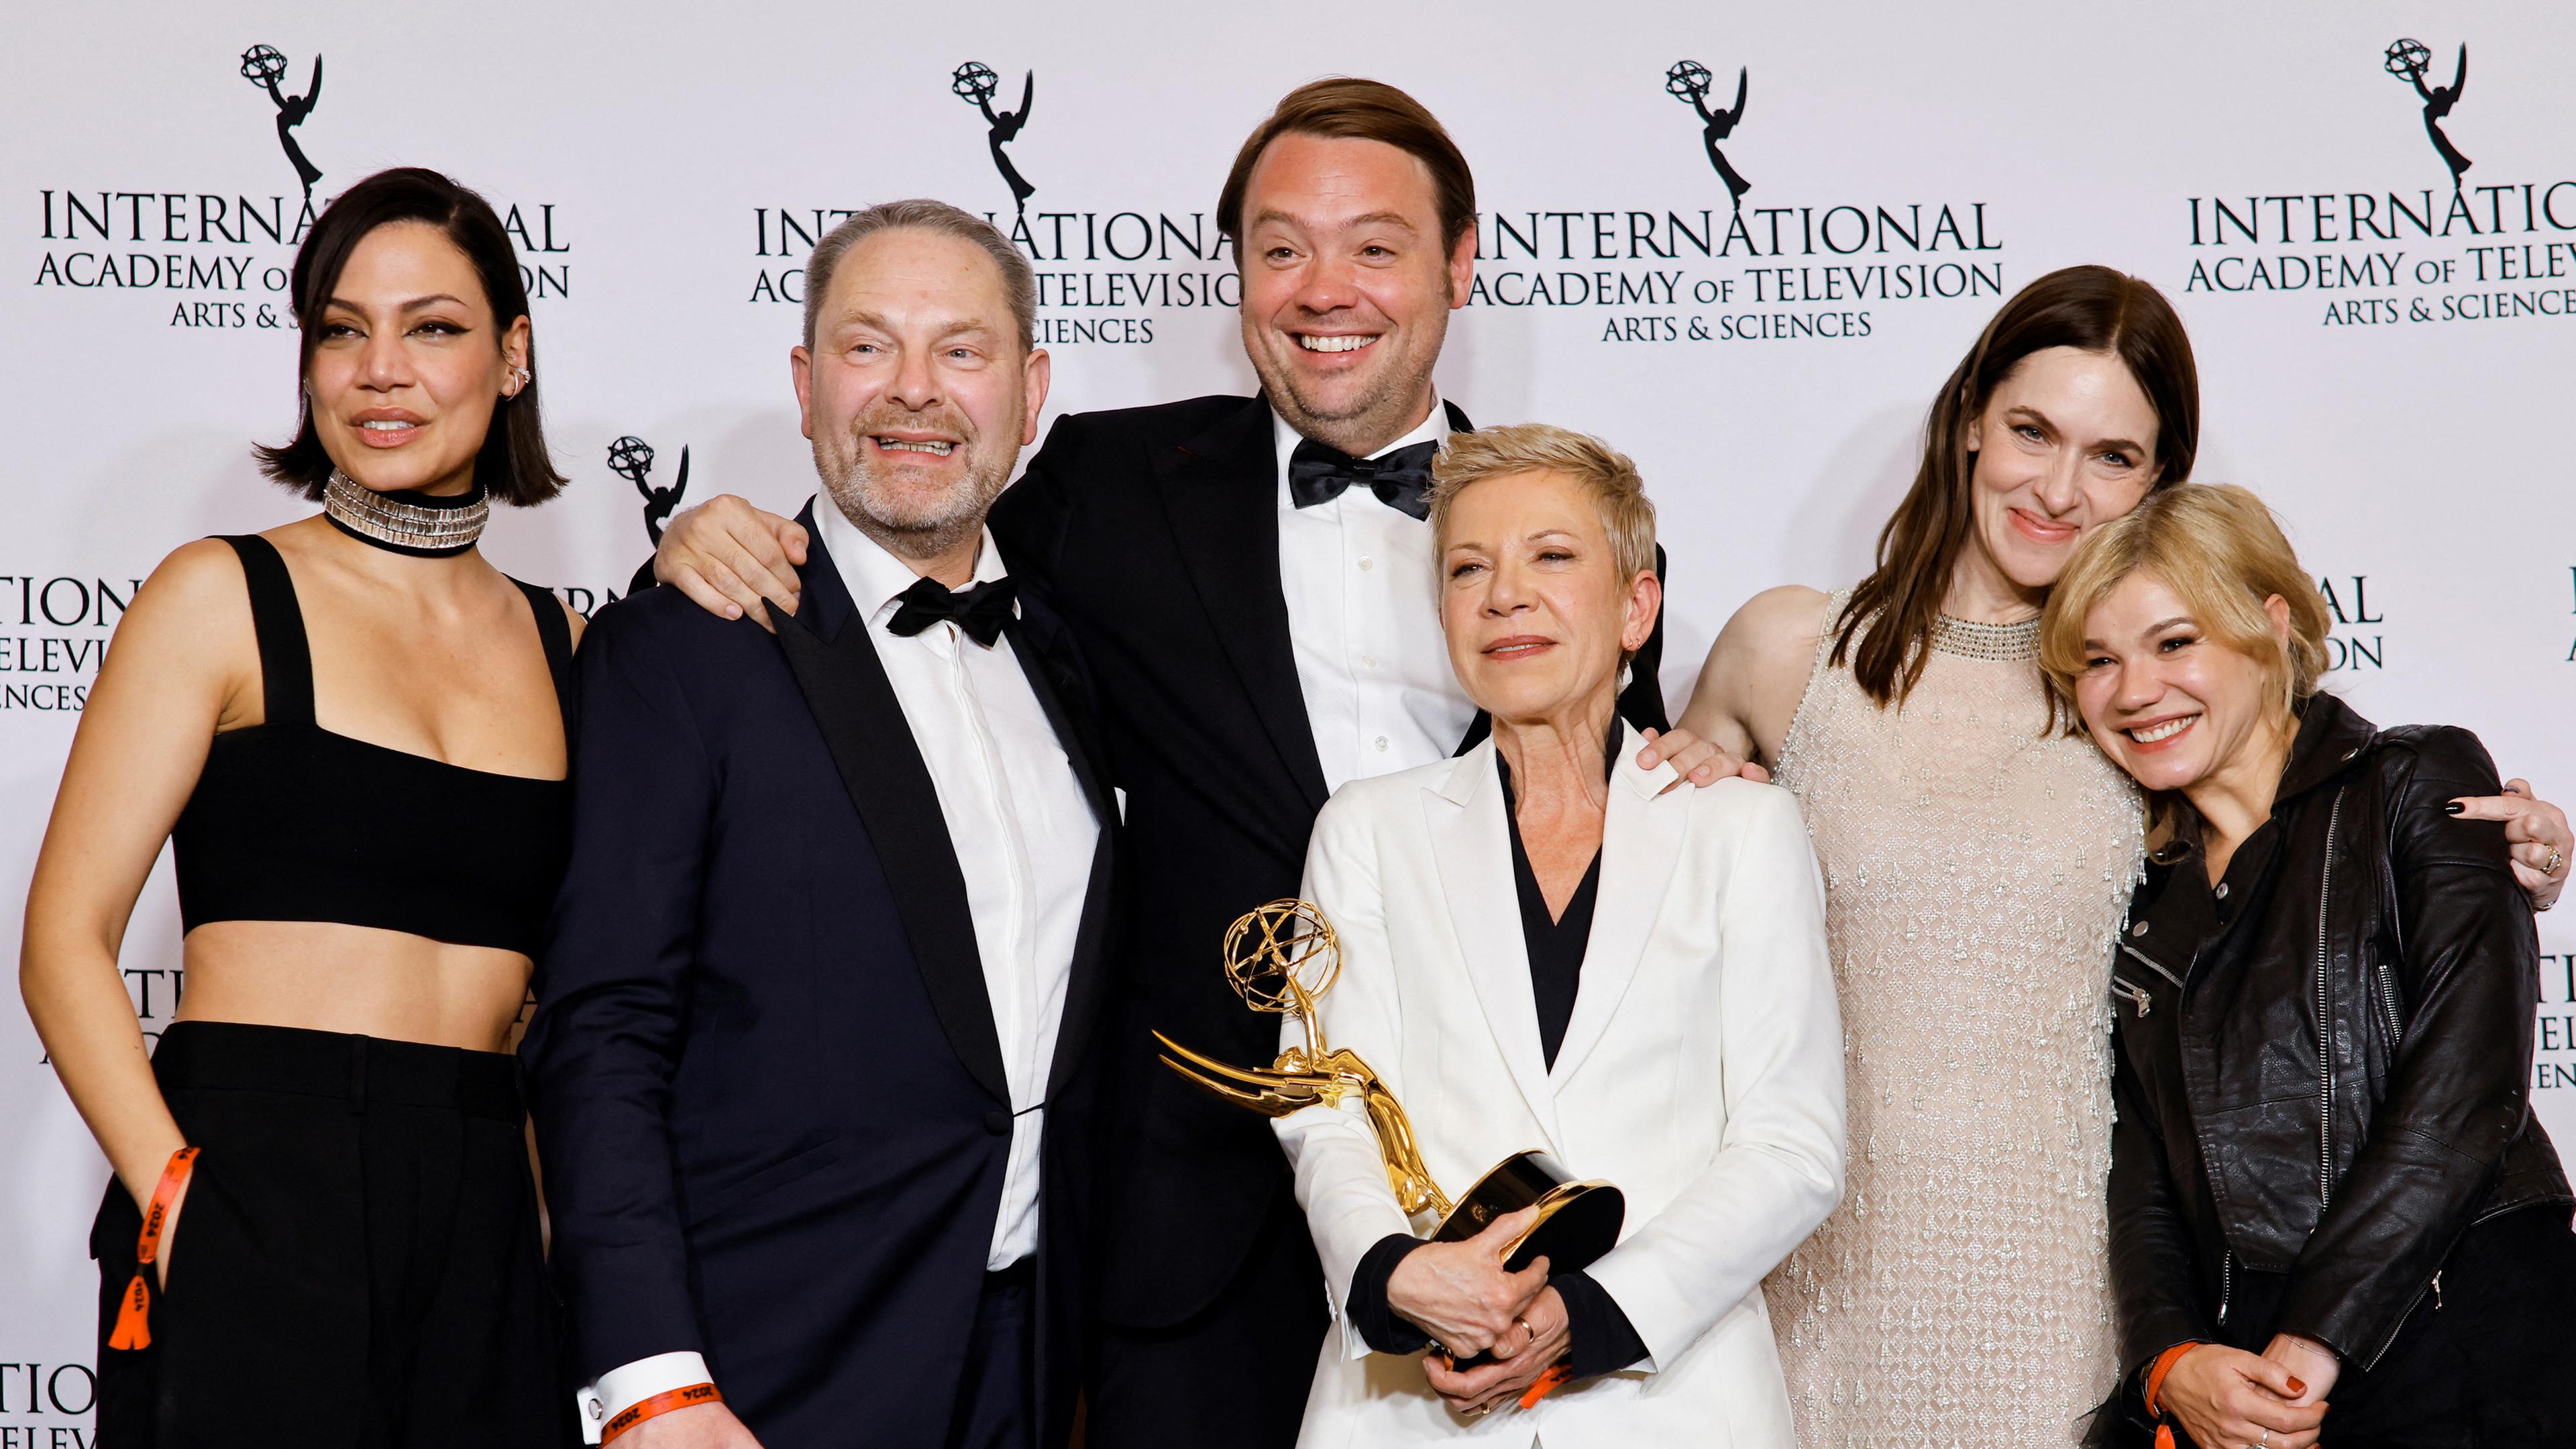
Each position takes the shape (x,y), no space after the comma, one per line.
(133,1323)
(1555,1376)
(659,1404)
(2156,1375)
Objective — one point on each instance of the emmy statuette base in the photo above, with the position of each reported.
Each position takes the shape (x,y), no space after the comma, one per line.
(1577,1221)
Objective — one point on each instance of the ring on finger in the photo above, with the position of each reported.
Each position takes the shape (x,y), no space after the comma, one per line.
(2556,859)
(1525,1328)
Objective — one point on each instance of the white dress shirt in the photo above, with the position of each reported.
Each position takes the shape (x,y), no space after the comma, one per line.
(1024,837)
(1364,616)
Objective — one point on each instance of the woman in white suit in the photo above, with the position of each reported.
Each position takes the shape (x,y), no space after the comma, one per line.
(1544,946)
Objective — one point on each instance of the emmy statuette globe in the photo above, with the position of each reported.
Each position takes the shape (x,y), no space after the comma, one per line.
(262,64)
(630,458)
(974,81)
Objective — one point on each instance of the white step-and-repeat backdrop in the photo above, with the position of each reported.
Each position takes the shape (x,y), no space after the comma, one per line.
(1743,243)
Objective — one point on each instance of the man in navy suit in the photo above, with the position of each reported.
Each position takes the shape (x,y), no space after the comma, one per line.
(809,1062)
(1252,583)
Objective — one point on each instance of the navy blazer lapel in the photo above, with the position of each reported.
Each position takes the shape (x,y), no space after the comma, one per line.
(1220,490)
(1046,656)
(863,725)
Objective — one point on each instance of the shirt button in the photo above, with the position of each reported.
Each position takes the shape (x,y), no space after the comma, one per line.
(1381,744)
(1367,563)
(2139,929)
(1368,661)
(2222,890)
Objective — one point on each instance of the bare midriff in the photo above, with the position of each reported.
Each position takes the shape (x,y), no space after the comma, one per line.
(323,976)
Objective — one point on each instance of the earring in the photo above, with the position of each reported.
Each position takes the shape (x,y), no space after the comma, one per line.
(521,377)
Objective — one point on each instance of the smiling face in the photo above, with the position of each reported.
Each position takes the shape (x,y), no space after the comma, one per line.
(2066,442)
(915,393)
(1532,603)
(409,364)
(1347,287)
(2171,705)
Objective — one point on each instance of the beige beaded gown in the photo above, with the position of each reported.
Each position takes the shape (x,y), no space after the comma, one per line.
(1976,869)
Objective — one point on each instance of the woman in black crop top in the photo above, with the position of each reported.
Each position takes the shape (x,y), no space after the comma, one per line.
(323,1227)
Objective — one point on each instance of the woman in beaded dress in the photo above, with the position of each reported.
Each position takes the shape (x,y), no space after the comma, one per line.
(1976,861)
(1977,858)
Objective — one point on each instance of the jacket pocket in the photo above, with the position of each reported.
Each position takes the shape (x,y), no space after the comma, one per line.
(791,1168)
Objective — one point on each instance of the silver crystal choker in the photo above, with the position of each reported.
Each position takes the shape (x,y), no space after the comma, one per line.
(409,523)
(1969,640)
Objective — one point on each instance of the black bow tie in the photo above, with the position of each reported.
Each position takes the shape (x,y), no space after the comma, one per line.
(1401,479)
(981,611)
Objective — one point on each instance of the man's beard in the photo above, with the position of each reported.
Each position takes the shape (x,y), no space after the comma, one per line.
(866,485)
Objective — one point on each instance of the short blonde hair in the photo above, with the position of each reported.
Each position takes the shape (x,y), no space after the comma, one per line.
(1618,494)
(2222,552)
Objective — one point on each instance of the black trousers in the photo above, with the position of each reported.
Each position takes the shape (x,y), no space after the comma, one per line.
(1237,1374)
(357,1260)
(997,1399)
(2489,1361)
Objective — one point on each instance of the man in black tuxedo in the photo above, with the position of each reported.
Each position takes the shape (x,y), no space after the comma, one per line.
(809,1061)
(1252,584)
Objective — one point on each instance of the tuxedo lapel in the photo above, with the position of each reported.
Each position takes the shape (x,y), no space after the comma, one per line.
(872,748)
(1043,652)
(1641,842)
(1220,491)
(1039,641)
(1471,844)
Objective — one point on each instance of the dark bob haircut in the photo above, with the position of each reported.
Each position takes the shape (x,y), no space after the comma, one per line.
(513,466)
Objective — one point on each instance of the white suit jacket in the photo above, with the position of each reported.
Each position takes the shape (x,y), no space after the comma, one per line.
(1702,1073)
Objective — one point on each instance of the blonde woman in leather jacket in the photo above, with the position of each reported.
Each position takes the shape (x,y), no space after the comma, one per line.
(2331,1210)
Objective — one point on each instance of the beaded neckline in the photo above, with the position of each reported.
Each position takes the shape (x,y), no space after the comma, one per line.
(2002,642)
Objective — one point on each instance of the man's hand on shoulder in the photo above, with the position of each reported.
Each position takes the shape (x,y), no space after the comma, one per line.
(2537,835)
(700,1426)
(732,559)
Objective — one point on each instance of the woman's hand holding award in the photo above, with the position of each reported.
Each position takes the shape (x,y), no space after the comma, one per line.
(1281,959)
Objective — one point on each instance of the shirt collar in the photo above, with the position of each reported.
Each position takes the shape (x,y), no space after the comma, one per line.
(1434,429)
(875,577)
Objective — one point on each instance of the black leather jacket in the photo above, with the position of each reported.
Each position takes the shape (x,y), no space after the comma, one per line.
(2326,1076)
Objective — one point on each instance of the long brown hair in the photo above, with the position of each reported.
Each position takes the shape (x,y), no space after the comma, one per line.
(2092,309)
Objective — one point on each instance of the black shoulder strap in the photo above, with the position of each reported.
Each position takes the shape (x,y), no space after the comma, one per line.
(557,637)
(285,659)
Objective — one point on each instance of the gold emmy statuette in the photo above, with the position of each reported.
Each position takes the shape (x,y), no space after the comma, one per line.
(1270,954)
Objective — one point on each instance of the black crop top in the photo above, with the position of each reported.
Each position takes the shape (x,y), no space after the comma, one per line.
(291,822)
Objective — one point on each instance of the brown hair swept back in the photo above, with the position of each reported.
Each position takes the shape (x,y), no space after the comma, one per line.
(2092,309)
(1364,110)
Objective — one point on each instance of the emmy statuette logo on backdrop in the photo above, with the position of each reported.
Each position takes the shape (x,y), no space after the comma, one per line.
(1688,82)
(631,458)
(2408,60)
(974,82)
(1270,954)
(265,66)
